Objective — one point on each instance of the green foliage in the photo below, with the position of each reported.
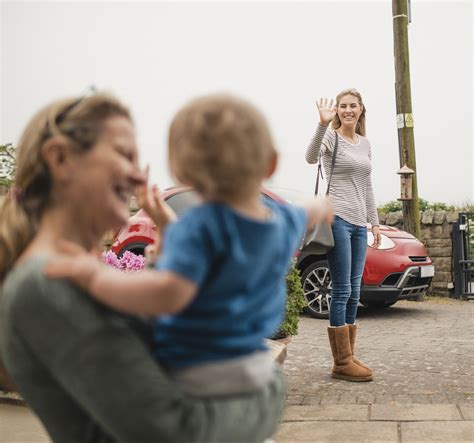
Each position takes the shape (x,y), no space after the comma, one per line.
(391,206)
(7,164)
(466,206)
(424,205)
(294,305)
(438,206)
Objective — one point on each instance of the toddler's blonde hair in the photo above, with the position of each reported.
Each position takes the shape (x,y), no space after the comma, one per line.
(220,145)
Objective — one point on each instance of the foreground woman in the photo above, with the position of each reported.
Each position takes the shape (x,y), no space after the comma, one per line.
(79,366)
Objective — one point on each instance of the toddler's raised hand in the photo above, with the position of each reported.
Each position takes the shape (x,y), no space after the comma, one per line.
(150,200)
(319,210)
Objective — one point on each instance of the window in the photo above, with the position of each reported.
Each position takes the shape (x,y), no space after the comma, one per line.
(183,201)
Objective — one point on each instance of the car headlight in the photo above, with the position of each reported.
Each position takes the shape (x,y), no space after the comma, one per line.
(385,244)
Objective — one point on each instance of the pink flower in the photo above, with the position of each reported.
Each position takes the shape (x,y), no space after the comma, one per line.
(128,262)
(131,262)
(109,258)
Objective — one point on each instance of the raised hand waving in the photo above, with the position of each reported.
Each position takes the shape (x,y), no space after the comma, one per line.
(327,111)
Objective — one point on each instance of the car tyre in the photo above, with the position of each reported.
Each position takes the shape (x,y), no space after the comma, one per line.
(136,248)
(316,283)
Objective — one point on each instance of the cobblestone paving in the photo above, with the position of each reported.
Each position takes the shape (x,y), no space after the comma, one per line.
(421,353)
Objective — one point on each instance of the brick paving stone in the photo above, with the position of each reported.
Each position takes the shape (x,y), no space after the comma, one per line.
(365,399)
(348,398)
(319,412)
(456,397)
(384,399)
(400,412)
(330,400)
(422,398)
(403,399)
(440,398)
(294,399)
(329,431)
(312,400)
(433,431)
(467,411)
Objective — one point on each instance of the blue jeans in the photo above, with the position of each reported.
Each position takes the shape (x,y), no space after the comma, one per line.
(346,263)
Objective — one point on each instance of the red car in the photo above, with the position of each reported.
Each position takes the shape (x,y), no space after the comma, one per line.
(399,269)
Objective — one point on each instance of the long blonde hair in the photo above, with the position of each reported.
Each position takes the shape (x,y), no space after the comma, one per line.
(360,126)
(80,120)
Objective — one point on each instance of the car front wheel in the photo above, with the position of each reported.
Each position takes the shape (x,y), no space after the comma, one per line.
(316,282)
(136,248)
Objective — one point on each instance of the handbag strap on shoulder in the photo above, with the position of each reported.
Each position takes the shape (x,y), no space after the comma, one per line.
(320,172)
(334,154)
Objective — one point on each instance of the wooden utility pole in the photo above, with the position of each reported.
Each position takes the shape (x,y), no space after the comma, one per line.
(405,123)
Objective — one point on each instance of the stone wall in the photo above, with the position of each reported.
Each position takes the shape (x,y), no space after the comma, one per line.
(436,227)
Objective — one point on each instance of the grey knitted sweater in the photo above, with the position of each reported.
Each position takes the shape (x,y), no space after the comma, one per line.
(351,186)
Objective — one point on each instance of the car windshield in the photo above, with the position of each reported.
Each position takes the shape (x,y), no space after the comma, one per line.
(188,199)
(183,201)
(292,196)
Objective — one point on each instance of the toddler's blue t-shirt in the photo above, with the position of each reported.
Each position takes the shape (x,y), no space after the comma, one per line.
(239,265)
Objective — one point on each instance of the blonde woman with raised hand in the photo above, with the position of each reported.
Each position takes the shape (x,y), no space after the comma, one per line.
(83,370)
(354,205)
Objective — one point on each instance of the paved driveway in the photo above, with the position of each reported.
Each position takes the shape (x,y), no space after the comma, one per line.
(423,358)
(422,355)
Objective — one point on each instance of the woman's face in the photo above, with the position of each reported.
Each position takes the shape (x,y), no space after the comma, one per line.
(349,110)
(105,177)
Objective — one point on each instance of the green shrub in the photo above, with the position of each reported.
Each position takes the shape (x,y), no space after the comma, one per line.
(294,305)
(424,205)
(439,206)
(7,164)
(466,206)
(391,206)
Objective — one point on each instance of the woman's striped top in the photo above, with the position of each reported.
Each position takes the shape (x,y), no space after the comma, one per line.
(351,186)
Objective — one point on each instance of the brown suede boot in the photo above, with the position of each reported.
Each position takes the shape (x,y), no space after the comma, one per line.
(352,338)
(344,366)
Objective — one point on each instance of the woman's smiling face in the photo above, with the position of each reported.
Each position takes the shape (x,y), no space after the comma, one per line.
(349,110)
(105,176)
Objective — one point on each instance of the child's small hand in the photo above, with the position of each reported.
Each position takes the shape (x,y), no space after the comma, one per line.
(74,263)
(150,200)
(320,210)
(151,253)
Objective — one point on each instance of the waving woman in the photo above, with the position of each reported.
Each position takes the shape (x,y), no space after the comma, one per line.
(354,205)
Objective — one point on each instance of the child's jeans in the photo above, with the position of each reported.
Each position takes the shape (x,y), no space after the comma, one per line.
(346,263)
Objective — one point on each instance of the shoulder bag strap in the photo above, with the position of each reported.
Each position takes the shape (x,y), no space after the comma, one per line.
(334,154)
(318,174)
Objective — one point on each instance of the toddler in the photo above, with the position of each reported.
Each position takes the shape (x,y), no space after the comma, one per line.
(219,284)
